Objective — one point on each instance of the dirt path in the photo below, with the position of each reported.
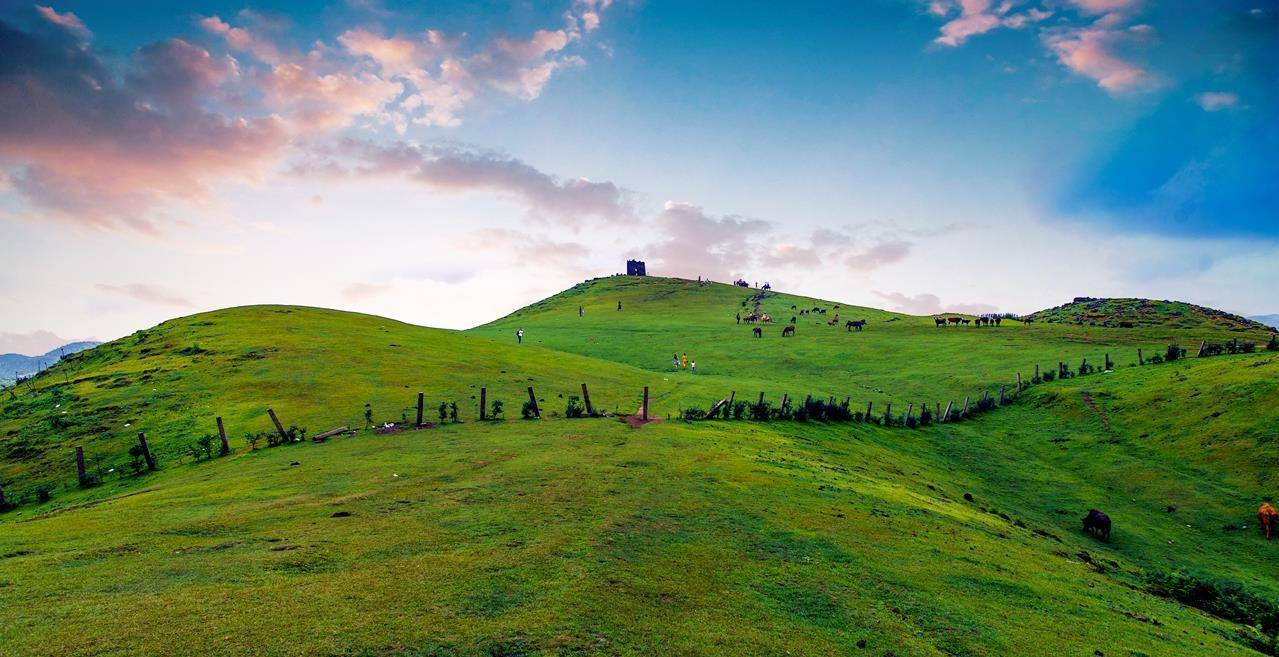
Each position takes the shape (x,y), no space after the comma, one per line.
(1100,414)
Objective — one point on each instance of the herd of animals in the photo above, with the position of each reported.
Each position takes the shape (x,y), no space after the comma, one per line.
(1096,522)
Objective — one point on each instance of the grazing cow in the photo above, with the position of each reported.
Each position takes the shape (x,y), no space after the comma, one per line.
(1267,516)
(855,324)
(966,322)
(955,320)
(759,332)
(997,320)
(1097,524)
(939,321)
(789,330)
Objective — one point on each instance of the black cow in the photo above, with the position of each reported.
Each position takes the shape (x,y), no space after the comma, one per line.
(1097,524)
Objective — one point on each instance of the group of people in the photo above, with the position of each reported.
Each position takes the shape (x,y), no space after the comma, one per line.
(681,362)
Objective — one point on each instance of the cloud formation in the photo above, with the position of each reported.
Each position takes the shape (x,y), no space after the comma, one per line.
(930,304)
(695,243)
(102,144)
(1215,101)
(35,343)
(882,254)
(145,293)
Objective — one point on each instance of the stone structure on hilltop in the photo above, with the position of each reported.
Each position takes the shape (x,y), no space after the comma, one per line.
(635,268)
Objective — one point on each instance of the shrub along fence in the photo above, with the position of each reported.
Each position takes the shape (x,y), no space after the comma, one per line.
(138,459)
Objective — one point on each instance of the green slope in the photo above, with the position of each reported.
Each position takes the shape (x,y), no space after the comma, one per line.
(587,536)
(1135,313)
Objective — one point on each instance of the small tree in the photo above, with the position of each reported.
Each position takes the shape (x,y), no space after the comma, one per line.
(453,411)
(443,411)
(251,438)
(528,411)
(368,416)
(496,412)
(1173,352)
(1273,345)
(205,444)
(575,408)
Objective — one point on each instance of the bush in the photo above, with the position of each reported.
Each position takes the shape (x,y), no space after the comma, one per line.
(496,412)
(1221,598)
(1273,345)
(1049,375)
(691,414)
(739,410)
(575,408)
(925,415)
(528,410)
(137,458)
(443,411)
(251,438)
(1173,352)
(43,494)
(204,445)
(760,411)
(452,411)
(368,416)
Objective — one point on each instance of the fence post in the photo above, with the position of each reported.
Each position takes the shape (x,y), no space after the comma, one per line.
(81,476)
(1140,360)
(146,451)
(949,404)
(1108,363)
(937,413)
(586,397)
(1019,382)
(419,409)
(1202,344)
(1061,369)
(226,447)
(483,400)
(1036,371)
(1002,400)
(888,413)
(1083,365)
(965,411)
(731,394)
(279,428)
(644,408)
(909,410)
(537,413)
(868,410)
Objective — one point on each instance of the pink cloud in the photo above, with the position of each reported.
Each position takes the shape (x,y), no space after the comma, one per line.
(363,291)
(1091,52)
(978,17)
(1106,6)
(147,294)
(881,255)
(694,243)
(1215,101)
(67,21)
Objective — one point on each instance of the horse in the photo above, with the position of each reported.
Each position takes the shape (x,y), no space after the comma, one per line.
(833,322)
(997,320)
(765,318)
(1267,515)
(1027,321)
(759,332)
(965,322)
(855,324)
(1098,524)
(792,319)
(789,330)
(954,320)
(939,321)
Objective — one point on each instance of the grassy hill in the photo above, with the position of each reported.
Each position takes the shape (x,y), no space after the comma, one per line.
(1134,313)
(591,536)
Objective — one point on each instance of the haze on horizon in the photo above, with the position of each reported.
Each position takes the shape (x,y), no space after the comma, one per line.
(445,163)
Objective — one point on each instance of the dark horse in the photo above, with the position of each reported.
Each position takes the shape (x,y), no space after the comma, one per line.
(855,324)
(789,330)
(1098,524)
(940,321)
(759,332)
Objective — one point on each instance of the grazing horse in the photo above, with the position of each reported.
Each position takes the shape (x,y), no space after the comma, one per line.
(792,319)
(939,321)
(855,324)
(1027,321)
(965,322)
(1098,524)
(789,330)
(955,320)
(759,332)
(997,320)
(765,318)
(1267,516)
(833,322)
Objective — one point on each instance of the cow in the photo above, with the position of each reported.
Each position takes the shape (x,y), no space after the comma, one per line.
(939,321)
(1097,524)
(955,320)
(789,330)
(855,324)
(997,320)
(966,322)
(759,332)
(1267,516)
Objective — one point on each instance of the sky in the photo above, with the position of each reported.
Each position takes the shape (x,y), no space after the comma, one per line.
(444,163)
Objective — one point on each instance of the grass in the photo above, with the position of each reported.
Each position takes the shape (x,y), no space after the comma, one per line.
(587,536)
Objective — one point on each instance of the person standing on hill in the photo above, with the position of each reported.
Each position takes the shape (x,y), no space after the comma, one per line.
(739,318)
(683,360)
(692,367)
(519,336)
(579,311)
(675,360)
(619,306)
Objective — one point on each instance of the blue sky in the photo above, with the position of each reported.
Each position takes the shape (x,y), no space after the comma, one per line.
(450,161)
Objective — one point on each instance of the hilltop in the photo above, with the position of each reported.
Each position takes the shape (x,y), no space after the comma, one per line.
(1131,313)
(597,536)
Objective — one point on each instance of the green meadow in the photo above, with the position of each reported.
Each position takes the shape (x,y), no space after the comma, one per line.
(586,536)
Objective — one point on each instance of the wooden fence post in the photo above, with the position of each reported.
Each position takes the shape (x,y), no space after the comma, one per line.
(1202,344)
(279,428)
(1061,369)
(483,400)
(965,411)
(937,413)
(761,399)
(731,395)
(1083,365)
(81,476)
(949,404)
(537,413)
(586,397)
(1002,399)
(888,413)
(1036,371)
(1108,363)
(146,451)
(419,409)
(1140,360)
(868,404)
(910,408)
(1019,382)
(644,407)
(226,447)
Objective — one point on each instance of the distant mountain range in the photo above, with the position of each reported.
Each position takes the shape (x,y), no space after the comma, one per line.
(1268,320)
(13,366)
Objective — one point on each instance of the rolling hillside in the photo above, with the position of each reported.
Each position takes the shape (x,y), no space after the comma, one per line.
(1133,313)
(596,536)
